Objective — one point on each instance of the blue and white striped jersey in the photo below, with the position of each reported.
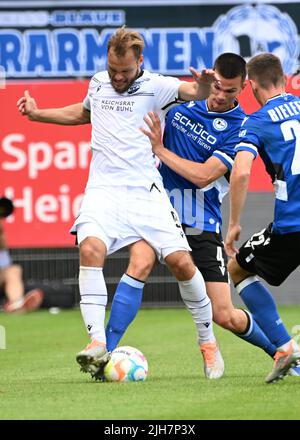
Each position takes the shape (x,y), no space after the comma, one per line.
(195,133)
(273,132)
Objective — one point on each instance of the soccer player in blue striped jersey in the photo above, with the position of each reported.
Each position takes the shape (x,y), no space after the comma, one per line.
(199,149)
(202,133)
(273,132)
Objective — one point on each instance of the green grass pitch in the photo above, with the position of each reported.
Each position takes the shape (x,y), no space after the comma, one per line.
(40,379)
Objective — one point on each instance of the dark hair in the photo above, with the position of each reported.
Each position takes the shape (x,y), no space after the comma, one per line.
(266,69)
(123,40)
(230,65)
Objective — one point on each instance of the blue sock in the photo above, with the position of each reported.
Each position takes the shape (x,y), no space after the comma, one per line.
(125,305)
(261,304)
(255,336)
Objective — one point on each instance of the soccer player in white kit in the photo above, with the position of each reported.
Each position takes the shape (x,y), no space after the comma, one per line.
(124,200)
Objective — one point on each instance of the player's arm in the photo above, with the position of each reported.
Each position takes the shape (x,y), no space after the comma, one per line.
(74,114)
(239,182)
(199,88)
(200,174)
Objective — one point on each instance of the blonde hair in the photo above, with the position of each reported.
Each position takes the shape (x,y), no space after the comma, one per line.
(123,40)
(266,69)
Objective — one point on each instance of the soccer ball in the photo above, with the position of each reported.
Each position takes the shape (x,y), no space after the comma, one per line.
(127,364)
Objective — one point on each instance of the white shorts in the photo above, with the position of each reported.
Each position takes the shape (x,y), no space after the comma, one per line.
(120,216)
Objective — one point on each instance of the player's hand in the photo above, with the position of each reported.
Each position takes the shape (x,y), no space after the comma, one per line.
(233,234)
(154,133)
(27,105)
(204,78)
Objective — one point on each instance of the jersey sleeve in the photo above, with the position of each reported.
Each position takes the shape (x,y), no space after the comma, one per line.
(94,83)
(166,91)
(86,103)
(249,137)
(226,151)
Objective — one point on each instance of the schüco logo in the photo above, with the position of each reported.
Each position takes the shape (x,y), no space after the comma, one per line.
(274,31)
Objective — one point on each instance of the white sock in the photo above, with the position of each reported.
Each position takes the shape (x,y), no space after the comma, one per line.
(93,301)
(193,293)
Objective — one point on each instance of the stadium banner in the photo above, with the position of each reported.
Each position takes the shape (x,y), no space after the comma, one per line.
(53,51)
(48,41)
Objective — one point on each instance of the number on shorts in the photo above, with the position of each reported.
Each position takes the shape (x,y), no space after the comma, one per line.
(221,259)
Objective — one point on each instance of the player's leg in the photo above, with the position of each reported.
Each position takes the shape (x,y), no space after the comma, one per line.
(260,302)
(14,287)
(100,228)
(93,297)
(210,257)
(17,301)
(269,260)
(129,292)
(193,292)
(161,228)
(238,321)
(224,313)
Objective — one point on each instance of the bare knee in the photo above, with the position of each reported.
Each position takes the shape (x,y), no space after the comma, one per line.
(223,320)
(231,319)
(237,273)
(92,252)
(142,260)
(181,265)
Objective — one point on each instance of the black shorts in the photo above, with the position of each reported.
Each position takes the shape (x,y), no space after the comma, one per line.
(271,256)
(209,255)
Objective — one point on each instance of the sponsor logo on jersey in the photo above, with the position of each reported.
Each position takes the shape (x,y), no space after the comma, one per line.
(220,124)
(193,129)
(133,88)
(242,133)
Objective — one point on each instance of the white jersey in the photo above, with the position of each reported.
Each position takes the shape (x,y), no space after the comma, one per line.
(122,154)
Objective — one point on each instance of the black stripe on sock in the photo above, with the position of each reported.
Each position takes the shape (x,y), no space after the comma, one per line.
(248,324)
(135,279)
